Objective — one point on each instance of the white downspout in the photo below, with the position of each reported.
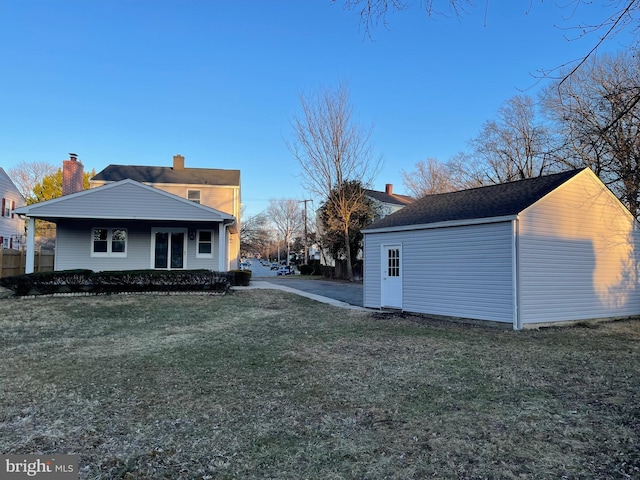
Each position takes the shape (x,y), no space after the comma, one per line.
(31,246)
(517,321)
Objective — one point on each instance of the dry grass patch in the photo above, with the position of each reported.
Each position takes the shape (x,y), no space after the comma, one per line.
(264,384)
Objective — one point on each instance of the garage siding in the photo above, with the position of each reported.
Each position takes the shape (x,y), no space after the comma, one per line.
(463,271)
(579,251)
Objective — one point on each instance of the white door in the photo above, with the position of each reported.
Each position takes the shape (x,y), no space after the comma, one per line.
(391,289)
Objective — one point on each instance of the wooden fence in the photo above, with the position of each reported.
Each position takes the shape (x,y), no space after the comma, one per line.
(12,262)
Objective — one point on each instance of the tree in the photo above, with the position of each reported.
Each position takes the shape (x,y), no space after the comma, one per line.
(50,186)
(598,113)
(254,234)
(332,237)
(26,175)
(429,177)
(333,149)
(286,215)
(513,147)
(623,14)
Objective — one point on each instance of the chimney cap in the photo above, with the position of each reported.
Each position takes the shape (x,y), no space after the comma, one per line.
(73,156)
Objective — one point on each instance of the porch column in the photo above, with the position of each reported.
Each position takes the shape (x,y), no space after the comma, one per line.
(31,246)
(222,247)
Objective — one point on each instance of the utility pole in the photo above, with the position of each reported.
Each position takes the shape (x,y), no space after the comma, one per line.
(306,240)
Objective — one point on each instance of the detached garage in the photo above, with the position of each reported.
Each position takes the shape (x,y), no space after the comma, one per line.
(548,249)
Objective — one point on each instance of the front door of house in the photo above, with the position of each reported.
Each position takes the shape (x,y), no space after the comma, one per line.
(391,288)
(168,249)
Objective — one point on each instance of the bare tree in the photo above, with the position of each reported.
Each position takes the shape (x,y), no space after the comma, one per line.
(513,147)
(333,149)
(254,233)
(26,175)
(617,16)
(598,113)
(287,217)
(429,177)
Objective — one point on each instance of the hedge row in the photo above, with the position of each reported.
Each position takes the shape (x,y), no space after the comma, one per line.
(67,281)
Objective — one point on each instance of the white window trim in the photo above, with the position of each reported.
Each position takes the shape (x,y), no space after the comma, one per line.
(109,253)
(204,255)
(199,195)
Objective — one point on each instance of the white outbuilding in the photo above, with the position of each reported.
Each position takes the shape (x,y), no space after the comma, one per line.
(550,249)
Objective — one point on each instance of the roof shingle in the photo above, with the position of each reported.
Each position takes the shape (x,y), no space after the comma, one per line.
(483,202)
(193,176)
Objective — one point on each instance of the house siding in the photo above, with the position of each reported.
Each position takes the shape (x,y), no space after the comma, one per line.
(579,251)
(73,246)
(220,198)
(463,271)
(10,227)
(118,202)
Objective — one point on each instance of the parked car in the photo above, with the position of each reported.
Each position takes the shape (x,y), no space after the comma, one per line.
(274,266)
(285,270)
(244,266)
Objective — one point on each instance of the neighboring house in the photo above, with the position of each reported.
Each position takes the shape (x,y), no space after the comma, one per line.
(387,201)
(385,204)
(549,249)
(136,217)
(11,225)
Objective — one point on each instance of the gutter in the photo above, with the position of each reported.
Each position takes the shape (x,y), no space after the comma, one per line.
(444,224)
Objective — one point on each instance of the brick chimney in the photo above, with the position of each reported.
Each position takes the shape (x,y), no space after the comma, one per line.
(178,162)
(72,175)
(388,189)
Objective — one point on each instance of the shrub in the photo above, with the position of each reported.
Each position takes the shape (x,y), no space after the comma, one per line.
(117,281)
(240,277)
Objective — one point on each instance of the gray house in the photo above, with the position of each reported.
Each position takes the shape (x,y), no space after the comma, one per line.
(127,225)
(549,249)
(11,225)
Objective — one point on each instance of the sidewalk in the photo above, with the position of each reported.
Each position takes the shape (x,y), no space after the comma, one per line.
(266,284)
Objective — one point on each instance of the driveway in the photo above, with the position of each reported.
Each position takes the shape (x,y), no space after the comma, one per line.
(348,292)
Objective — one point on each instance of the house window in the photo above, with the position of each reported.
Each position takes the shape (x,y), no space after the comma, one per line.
(193,195)
(205,244)
(7,205)
(109,242)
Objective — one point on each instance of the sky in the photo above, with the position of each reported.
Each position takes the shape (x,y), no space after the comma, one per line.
(218,81)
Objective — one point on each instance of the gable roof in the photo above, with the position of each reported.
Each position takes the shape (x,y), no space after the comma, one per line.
(392,199)
(193,176)
(116,200)
(8,186)
(505,199)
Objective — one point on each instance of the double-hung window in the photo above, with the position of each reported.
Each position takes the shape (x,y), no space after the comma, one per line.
(109,242)
(205,244)
(7,206)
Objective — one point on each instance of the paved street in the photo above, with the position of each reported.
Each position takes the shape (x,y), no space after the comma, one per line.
(348,292)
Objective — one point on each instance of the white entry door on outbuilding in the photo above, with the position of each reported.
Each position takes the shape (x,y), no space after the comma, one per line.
(391,267)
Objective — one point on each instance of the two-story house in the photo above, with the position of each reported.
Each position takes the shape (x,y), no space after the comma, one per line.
(139,217)
(11,225)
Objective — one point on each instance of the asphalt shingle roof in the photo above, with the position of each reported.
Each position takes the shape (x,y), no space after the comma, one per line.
(392,199)
(483,202)
(194,176)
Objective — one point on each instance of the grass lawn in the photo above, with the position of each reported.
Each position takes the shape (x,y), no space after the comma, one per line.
(266,384)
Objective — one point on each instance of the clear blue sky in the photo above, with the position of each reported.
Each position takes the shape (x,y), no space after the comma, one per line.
(138,81)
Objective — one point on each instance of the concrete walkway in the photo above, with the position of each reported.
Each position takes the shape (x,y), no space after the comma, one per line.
(311,291)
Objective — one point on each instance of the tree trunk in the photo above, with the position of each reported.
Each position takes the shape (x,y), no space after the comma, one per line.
(349,273)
